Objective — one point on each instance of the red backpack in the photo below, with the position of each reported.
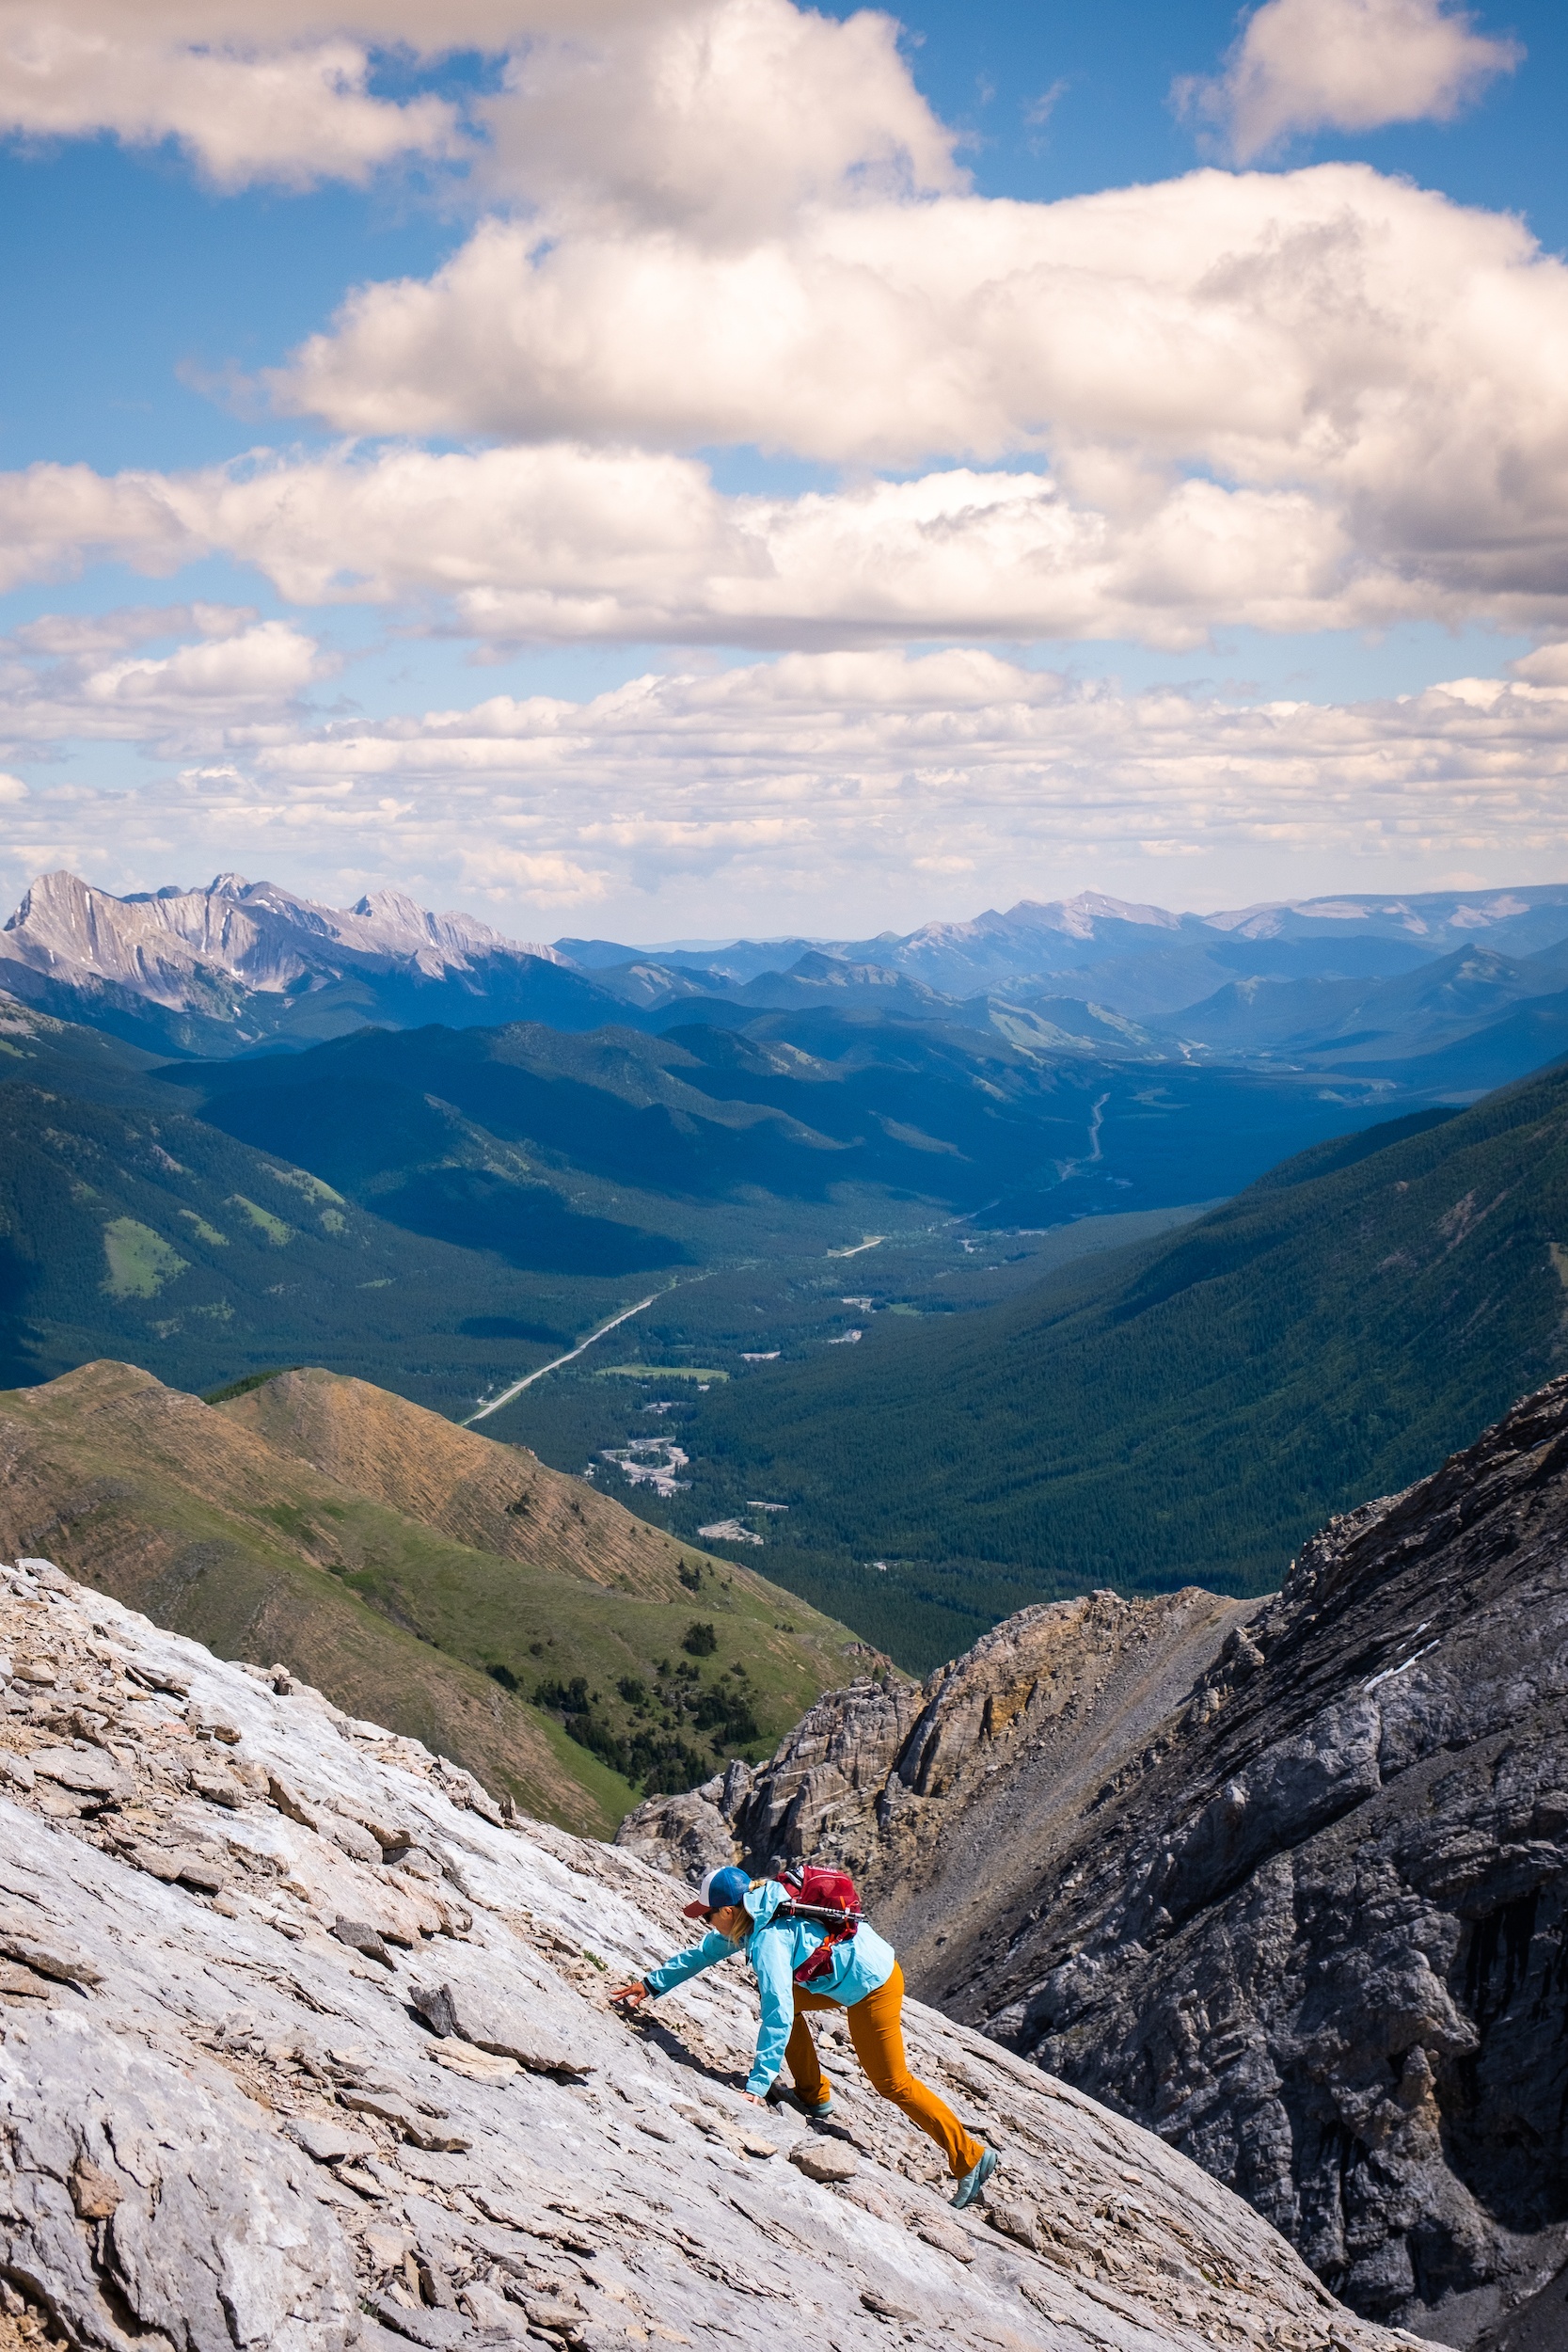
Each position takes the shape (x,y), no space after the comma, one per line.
(826,1897)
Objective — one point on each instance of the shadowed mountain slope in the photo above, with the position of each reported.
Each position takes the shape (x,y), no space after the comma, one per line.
(129,1228)
(457,1133)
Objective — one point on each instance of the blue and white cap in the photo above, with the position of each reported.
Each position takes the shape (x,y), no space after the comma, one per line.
(719,1890)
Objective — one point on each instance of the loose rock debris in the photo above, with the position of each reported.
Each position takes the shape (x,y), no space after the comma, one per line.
(304,2045)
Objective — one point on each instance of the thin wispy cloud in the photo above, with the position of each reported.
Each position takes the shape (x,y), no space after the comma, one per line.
(801,792)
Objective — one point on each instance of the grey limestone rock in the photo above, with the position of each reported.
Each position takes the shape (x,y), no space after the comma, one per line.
(687,1835)
(1306,1922)
(1312,1934)
(327,2142)
(86,1770)
(179,2171)
(939,1796)
(213,2238)
(484,2016)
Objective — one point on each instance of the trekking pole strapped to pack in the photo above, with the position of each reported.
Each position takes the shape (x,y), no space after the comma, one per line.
(828,1897)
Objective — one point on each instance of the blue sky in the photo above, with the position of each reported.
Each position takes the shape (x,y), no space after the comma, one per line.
(806,406)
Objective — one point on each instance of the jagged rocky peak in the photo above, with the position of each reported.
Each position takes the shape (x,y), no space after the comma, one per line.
(1304,1915)
(170,946)
(306,2045)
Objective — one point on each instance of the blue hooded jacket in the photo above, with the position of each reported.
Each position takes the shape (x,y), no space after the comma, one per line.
(776,1948)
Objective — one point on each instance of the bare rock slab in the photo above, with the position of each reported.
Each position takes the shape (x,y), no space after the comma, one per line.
(212,2113)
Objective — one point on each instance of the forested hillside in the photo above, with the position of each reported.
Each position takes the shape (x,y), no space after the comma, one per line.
(613,1152)
(1185,1411)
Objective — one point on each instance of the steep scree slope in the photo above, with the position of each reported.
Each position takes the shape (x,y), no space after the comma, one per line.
(300,2051)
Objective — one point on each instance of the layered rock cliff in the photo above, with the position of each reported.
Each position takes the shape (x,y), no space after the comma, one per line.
(304,2047)
(1310,1928)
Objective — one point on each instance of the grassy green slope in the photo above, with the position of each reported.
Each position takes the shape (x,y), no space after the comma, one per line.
(1193,1411)
(538,1577)
(144,1493)
(190,1514)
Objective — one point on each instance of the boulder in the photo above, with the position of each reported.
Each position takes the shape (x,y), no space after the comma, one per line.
(488,2021)
(827,2160)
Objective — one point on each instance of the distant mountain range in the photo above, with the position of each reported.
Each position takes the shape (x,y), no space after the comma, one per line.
(1164,960)
(198,1175)
(1472,985)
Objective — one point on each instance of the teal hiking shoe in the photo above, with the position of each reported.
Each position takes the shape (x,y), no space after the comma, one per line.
(972,2182)
(781,2098)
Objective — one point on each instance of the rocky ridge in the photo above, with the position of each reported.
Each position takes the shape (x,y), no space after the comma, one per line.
(230,966)
(302,2044)
(500,1498)
(1309,1927)
(946,1799)
(171,943)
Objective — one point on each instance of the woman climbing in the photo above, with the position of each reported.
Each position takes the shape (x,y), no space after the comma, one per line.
(864,1980)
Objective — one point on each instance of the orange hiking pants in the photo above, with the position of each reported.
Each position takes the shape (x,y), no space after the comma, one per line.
(877,2031)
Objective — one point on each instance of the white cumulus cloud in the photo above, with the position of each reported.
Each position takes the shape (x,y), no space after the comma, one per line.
(725,121)
(237,680)
(559,542)
(727,109)
(1270,322)
(296,113)
(1346,65)
(1365,356)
